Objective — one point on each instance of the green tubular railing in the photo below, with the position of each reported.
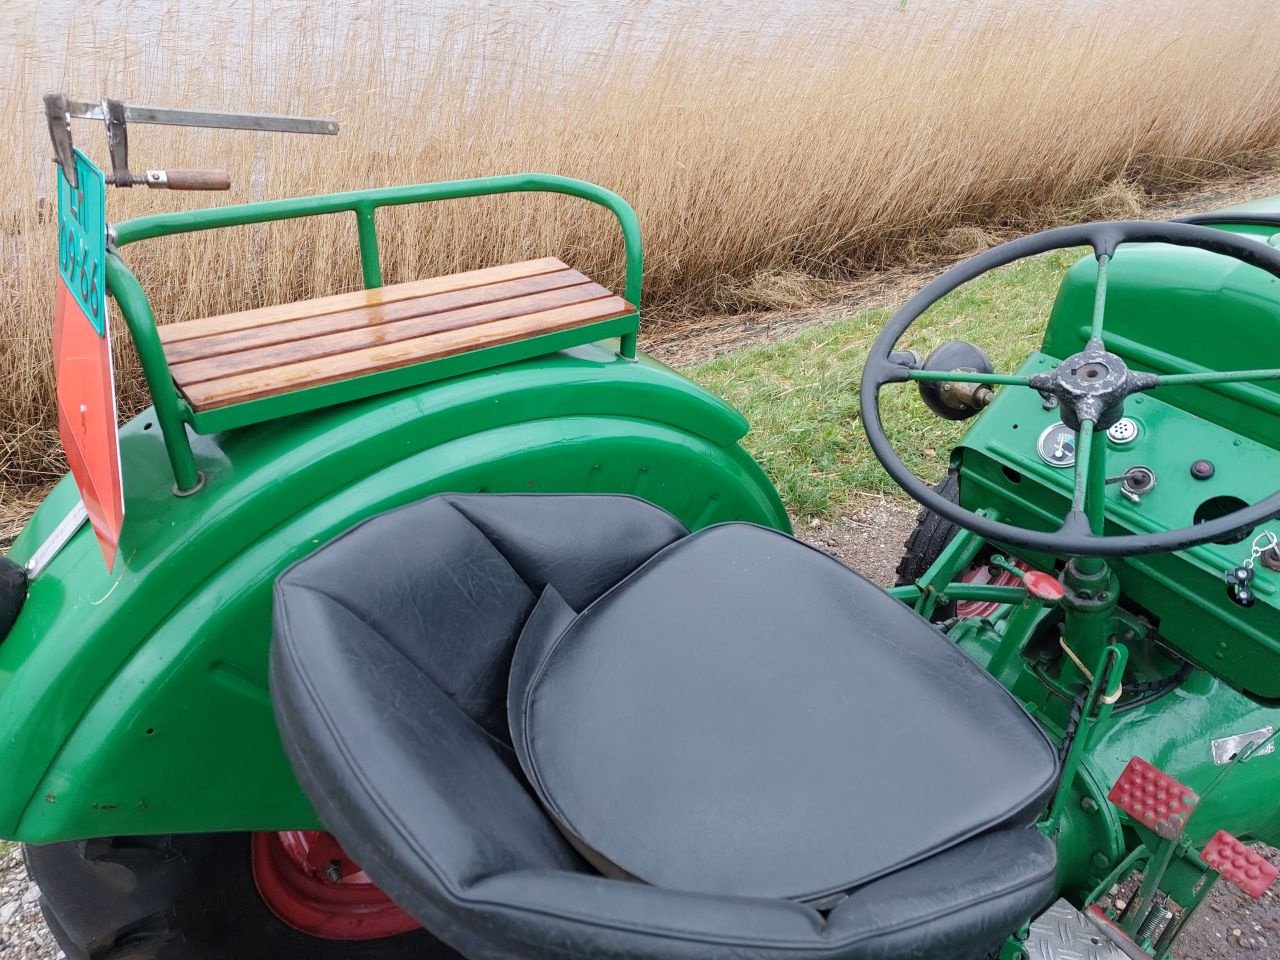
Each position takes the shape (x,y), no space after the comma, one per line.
(172,411)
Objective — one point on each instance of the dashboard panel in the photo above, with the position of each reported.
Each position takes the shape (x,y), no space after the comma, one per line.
(1016,459)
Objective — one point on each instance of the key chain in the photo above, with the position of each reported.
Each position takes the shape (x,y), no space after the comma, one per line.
(1239,578)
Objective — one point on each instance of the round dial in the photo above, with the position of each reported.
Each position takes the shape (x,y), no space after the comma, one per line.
(1057,445)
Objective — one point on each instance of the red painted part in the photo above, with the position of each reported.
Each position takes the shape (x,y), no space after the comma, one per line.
(1043,586)
(309,882)
(1153,798)
(980,574)
(1237,863)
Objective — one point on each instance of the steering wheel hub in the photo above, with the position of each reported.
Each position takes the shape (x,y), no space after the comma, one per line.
(1091,385)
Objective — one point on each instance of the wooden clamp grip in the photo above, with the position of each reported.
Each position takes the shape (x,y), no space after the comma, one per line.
(188,179)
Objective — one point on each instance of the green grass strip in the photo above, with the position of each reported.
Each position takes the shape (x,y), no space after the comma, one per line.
(801,394)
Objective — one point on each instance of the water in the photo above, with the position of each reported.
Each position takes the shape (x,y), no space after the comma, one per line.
(246,54)
(578,21)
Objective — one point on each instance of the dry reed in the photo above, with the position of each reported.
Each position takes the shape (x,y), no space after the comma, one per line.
(815,143)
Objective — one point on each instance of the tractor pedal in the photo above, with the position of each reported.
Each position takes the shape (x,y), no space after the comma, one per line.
(1153,798)
(1063,933)
(1236,863)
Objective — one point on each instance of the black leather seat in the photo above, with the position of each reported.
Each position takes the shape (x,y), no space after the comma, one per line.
(733,744)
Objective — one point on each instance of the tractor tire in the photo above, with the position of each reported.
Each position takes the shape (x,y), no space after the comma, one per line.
(931,535)
(182,898)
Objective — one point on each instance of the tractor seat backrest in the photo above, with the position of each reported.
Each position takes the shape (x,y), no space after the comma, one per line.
(453,580)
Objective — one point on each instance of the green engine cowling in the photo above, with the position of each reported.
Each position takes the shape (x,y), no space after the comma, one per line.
(1168,310)
(136,702)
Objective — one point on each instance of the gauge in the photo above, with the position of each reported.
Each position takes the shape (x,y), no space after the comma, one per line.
(1057,445)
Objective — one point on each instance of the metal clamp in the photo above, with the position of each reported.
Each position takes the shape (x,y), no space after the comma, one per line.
(60,110)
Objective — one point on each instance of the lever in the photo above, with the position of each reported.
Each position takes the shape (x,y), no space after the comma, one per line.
(188,179)
(1136,482)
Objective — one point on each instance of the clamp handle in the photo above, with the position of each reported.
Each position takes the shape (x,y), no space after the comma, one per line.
(188,179)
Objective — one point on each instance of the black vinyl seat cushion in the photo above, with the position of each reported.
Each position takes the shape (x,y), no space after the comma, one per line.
(746,716)
(733,719)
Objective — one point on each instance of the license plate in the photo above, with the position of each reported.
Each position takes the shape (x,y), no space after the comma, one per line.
(87,422)
(82,239)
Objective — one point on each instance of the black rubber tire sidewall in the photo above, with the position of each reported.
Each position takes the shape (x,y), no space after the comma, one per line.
(931,535)
(214,911)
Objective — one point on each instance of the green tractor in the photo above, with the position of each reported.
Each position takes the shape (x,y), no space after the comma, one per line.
(438,621)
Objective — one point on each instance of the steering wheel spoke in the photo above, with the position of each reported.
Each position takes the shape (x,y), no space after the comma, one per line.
(966,376)
(1075,524)
(1213,376)
(1099,298)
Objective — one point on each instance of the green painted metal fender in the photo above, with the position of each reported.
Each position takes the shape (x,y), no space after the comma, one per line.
(136,702)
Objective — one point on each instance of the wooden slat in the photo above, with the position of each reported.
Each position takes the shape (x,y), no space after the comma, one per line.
(312,373)
(234,341)
(248,361)
(190,329)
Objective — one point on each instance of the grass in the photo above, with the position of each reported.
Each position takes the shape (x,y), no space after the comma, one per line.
(801,395)
(767,160)
(16,507)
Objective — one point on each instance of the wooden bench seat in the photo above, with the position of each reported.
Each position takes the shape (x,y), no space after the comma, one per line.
(238,357)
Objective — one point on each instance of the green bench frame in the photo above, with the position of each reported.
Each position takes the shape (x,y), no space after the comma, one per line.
(174,414)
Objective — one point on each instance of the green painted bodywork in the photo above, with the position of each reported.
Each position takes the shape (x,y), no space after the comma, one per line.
(1169,311)
(1184,591)
(136,702)
(174,414)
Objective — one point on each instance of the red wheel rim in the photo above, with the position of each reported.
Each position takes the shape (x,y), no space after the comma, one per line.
(309,882)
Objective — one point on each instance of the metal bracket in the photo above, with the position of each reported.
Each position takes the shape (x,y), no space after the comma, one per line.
(118,143)
(57,113)
(1225,749)
(57,539)
(60,111)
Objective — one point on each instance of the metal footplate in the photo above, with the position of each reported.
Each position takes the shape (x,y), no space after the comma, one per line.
(1063,933)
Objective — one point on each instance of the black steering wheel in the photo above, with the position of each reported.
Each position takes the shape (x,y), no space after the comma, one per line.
(1090,388)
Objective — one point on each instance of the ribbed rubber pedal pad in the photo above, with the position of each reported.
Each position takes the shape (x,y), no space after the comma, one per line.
(1248,870)
(1153,798)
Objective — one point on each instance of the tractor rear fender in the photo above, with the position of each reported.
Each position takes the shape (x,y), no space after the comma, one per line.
(136,701)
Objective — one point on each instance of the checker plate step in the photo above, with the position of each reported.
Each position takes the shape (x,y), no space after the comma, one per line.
(1063,933)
